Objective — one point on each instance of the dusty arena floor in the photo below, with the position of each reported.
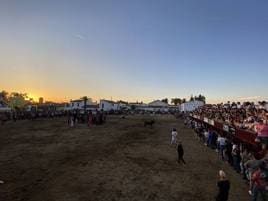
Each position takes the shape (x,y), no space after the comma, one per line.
(44,160)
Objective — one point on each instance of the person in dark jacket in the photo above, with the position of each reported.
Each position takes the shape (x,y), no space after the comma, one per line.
(180,152)
(229,152)
(224,187)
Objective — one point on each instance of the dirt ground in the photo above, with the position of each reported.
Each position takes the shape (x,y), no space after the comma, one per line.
(44,160)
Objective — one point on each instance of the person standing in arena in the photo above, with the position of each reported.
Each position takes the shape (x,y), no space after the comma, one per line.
(224,187)
(222,145)
(90,119)
(206,133)
(236,158)
(174,134)
(180,152)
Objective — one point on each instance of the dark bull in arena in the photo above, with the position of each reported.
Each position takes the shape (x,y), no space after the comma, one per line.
(149,122)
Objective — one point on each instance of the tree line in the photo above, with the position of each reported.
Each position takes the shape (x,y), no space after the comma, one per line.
(178,101)
(15,99)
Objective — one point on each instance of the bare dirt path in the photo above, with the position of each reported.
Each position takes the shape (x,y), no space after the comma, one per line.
(45,160)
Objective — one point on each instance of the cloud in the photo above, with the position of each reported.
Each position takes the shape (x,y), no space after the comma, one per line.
(79,36)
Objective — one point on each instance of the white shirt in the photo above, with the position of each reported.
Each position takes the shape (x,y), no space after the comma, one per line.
(234,146)
(221,141)
(174,134)
(206,134)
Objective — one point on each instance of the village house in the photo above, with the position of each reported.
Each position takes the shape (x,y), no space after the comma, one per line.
(78,104)
(123,105)
(107,105)
(155,106)
(138,106)
(158,106)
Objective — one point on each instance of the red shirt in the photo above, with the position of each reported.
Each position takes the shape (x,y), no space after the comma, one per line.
(262,130)
(258,179)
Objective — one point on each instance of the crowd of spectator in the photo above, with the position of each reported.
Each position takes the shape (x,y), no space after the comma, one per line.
(23,115)
(240,115)
(251,166)
(91,117)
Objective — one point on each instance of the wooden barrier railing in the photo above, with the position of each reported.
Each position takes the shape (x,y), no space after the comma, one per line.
(245,136)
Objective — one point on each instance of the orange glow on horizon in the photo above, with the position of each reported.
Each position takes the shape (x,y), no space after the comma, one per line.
(34,97)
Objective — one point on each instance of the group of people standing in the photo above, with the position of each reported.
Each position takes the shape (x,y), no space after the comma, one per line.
(223,183)
(250,165)
(16,115)
(90,118)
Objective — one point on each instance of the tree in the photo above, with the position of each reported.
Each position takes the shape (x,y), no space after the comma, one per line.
(17,100)
(192,98)
(176,101)
(262,103)
(183,100)
(17,94)
(4,96)
(165,100)
(201,98)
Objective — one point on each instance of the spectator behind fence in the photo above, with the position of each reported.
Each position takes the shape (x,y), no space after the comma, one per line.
(259,183)
(206,133)
(236,158)
(222,145)
(245,156)
(245,163)
(243,116)
(262,133)
(251,166)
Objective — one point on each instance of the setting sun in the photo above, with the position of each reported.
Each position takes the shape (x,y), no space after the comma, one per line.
(98,99)
(33,97)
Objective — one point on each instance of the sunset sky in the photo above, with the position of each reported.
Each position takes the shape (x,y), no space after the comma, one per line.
(135,49)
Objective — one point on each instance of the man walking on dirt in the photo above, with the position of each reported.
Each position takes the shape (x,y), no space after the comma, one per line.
(180,153)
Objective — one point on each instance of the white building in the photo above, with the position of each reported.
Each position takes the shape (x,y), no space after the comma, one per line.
(158,106)
(191,105)
(155,106)
(79,105)
(107,105)
(138,106)
(123,105)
